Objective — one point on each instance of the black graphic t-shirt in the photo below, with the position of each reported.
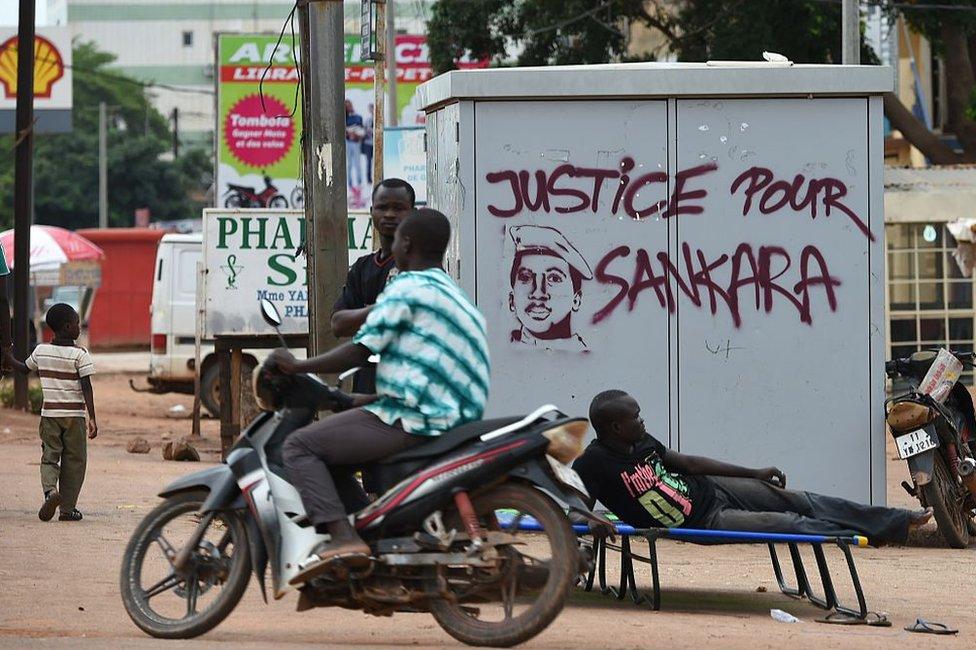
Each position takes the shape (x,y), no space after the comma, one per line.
(638,489)
(364,283)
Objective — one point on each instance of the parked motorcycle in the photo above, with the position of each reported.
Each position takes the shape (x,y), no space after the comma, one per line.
(243,196)
(934,427)
(298,197)
(445,536)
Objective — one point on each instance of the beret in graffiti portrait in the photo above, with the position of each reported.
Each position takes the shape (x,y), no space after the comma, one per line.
(547,276)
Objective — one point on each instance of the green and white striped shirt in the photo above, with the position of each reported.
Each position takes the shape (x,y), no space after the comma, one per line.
(433,370)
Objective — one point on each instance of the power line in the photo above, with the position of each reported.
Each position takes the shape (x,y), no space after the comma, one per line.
(569,21)
(119,78)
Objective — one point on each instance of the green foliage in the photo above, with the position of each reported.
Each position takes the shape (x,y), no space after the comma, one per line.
(66,165)
(544,32)
(552,32)
(34,396)
(803,31)
(930,21)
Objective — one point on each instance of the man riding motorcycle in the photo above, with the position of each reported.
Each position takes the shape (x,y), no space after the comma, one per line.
(432,376)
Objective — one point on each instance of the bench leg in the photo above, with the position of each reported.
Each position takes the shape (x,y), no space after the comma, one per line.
(626,569)
(862,610)
(602,568)
(793,592)
(591,574)
(655,577)
(828,599)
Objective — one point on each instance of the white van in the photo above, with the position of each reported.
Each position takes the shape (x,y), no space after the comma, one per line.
(173,353)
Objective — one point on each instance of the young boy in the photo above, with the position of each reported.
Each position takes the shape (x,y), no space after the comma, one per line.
(65,370)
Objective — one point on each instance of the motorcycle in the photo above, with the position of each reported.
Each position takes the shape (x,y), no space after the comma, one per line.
(449,536)
(934,428)
(243,196)
(298,197)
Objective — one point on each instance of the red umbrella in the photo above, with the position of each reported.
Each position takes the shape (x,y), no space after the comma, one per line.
(50,247)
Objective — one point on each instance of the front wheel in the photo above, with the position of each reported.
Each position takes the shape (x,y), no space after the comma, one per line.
(512,603)
(170,604)
(947,501)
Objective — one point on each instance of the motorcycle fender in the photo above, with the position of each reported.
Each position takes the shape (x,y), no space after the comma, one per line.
(259,554)
(922,466)
(252,480)
(218,480)
(535,473)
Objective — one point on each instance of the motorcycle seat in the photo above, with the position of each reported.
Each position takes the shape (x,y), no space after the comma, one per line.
(448,440)
(244,188)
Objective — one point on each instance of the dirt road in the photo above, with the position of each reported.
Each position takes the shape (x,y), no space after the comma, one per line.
(60,580)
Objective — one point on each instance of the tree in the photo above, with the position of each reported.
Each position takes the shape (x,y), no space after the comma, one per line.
(543,32)
(66,165)
(809,32)
(806,31)
(952,33)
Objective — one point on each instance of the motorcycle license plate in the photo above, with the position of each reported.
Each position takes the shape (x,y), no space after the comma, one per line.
(914,443)
(567,475)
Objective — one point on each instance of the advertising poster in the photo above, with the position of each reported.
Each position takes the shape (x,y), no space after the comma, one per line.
(259,162)
(250,255)
(404,157)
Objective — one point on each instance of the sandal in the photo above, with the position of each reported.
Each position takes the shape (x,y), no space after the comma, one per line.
(928,627)
(51,502)
(842,618)
(71,515)
(877,619)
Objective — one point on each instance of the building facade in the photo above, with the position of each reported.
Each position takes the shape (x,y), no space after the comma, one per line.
(171,43)
(930,299)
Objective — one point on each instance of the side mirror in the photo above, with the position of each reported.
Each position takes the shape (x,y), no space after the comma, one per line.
(270,313)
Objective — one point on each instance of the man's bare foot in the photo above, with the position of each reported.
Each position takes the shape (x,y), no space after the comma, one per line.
(920,518)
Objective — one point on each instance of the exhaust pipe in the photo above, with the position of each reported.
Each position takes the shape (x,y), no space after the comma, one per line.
(967,472)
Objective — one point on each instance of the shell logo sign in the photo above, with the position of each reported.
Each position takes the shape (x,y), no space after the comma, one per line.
(52,79)
(48,67)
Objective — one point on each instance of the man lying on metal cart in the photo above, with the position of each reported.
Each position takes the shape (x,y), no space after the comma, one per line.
(650,486)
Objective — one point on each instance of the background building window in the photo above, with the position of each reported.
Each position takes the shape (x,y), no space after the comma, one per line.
(930,303)
(187,39)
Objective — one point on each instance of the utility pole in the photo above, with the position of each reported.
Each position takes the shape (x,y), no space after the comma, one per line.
(23,190)
(102,165)
(379,91)
(324,148)
(393,117)
(851,33)
(176,132)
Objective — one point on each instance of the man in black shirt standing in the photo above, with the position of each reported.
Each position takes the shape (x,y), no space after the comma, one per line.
(648,485)
(393,200)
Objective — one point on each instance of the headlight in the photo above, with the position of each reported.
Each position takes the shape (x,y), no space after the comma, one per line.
(566,440)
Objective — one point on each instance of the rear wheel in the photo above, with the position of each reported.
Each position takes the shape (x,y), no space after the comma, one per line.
(210,390)
(171,604)
(511,604)
(947,500)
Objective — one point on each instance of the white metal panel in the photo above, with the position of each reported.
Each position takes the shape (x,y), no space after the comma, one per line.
(778,371)
(877,288)
(648,80)
(548,341)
